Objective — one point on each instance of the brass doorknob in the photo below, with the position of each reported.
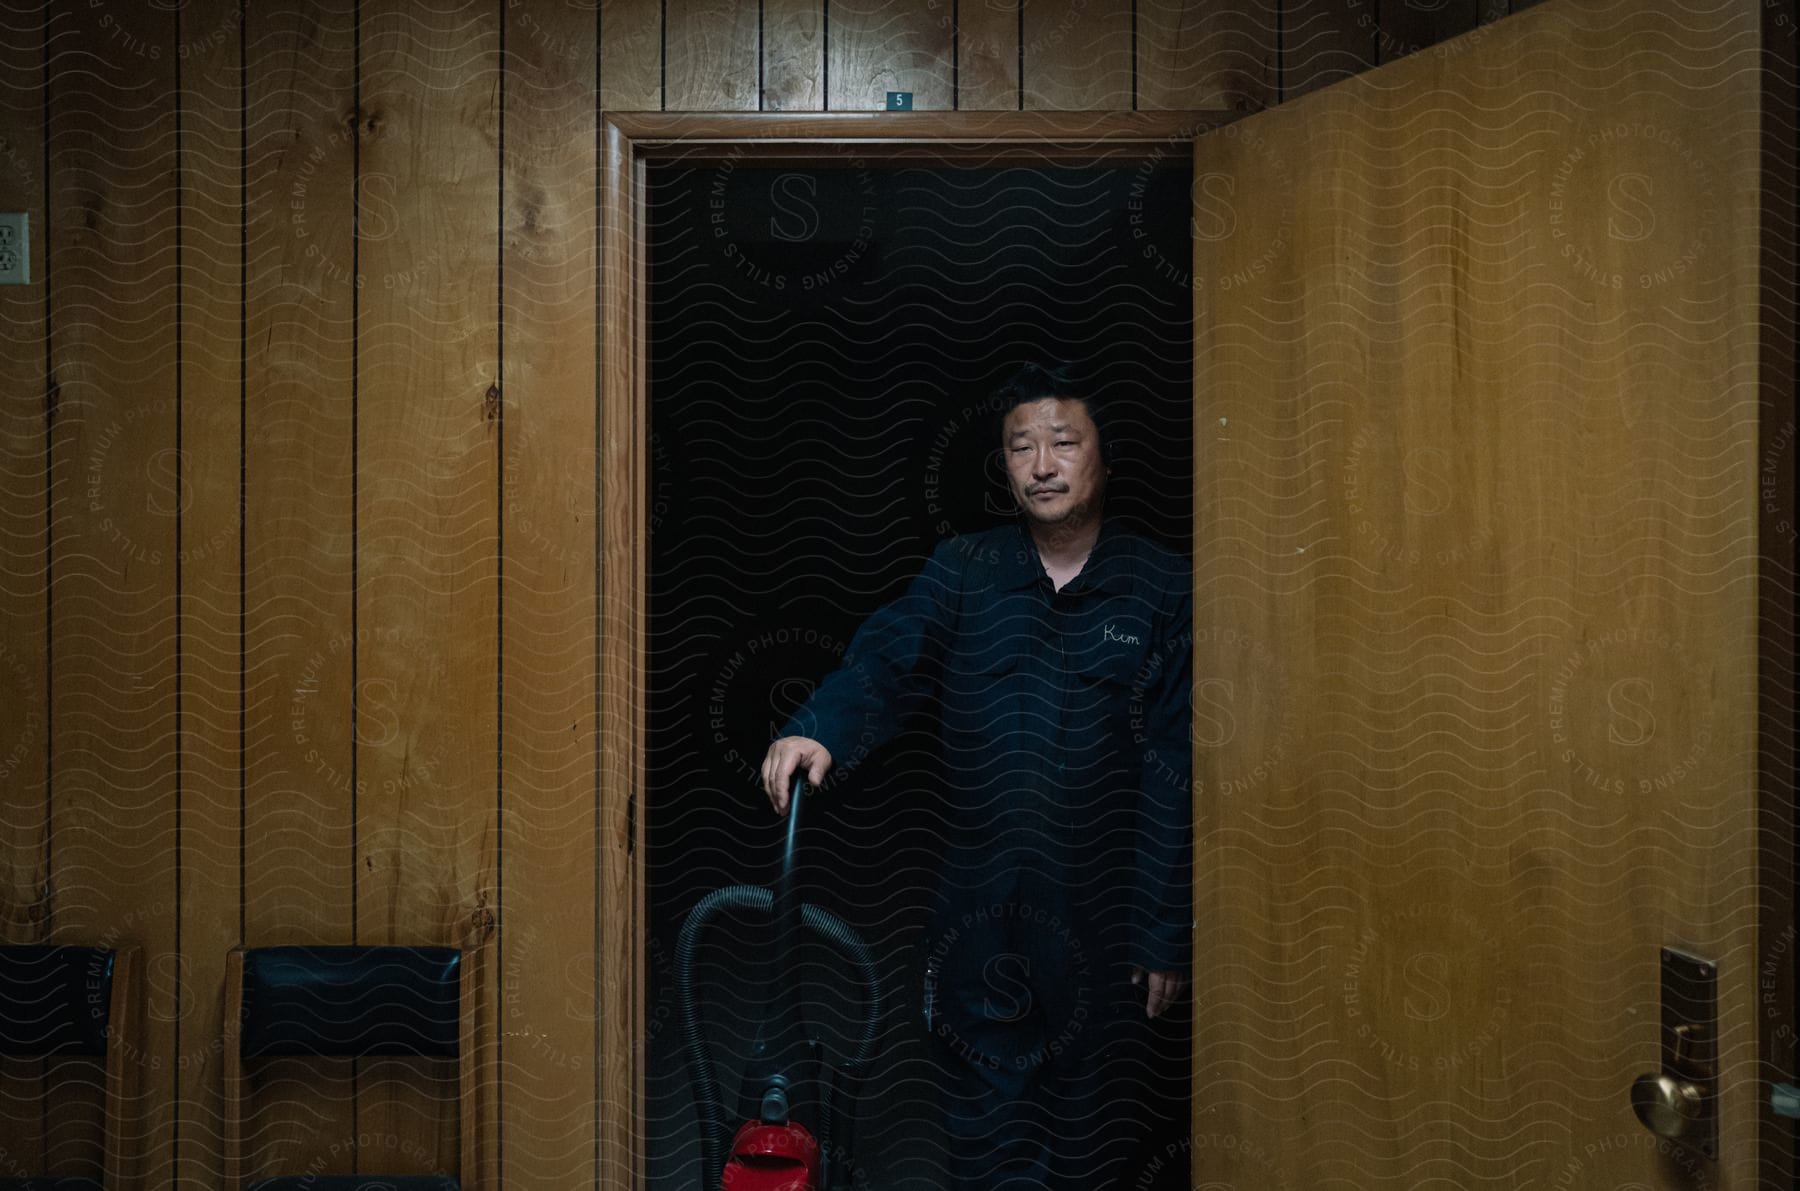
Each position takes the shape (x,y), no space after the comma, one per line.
(1672,1102)
(1668,1107)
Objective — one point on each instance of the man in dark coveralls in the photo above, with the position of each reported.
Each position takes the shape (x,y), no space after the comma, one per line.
(1058,649)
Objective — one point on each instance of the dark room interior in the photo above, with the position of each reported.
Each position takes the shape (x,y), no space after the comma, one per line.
(825,339)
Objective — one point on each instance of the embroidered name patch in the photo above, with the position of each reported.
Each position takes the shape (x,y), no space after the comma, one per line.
(1110,634)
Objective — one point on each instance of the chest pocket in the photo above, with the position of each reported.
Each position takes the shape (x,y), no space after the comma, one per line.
(982,699)
(1109,661)
(1113,651)
(996,630)
(984,660)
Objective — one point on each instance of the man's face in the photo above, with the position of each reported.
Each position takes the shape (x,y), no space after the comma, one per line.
(1052,452)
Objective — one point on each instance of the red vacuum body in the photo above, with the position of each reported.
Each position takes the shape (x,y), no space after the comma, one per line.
(772,1158)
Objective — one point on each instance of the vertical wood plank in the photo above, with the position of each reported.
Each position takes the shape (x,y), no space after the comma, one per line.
(21,1116)
(427,552)
(879,46)
(619,685)
(114,445)
(1323,41)
(986,53)
(1408,26)
(631,55)
(711,56)
(24,482)
(547,1026)
(24,563)
(300,874)
(1193,55)
(1077,55)
(208,50)
(794,55)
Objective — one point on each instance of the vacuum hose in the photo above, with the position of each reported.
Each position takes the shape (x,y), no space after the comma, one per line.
(715,1131)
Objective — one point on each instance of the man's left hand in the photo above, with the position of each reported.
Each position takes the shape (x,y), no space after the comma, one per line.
(1163,988)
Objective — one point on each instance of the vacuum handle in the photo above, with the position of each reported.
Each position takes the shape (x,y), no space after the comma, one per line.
(786,905)
(779,1048)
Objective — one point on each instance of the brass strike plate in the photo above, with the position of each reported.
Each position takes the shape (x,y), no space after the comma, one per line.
(1690,1037)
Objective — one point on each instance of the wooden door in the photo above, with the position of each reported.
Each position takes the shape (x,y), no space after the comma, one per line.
(1481,409)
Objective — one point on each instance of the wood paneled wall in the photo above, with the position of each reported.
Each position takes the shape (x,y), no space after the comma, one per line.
(298,495)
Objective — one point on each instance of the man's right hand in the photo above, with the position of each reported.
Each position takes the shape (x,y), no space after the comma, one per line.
(787,755)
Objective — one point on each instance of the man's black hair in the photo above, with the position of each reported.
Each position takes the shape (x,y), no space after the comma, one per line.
(1034,381)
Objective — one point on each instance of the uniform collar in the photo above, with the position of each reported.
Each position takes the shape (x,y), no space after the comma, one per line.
(1106,565)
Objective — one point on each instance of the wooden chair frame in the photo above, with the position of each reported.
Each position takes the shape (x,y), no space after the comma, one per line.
(121,1063)
(474,1161)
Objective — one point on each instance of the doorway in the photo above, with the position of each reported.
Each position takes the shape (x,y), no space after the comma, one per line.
(823,335)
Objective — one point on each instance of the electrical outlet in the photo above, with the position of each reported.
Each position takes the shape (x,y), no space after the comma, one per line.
(15,248)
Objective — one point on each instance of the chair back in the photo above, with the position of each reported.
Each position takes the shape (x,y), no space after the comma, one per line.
(62,1000)
(55,1000)
(359,1002)
(352,1001)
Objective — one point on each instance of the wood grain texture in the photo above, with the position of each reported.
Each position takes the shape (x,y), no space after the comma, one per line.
(1192,54)
(25,573)
(878,46)
(1476,514)
(987,52)
(619,1057)
(300,874)
(1077,55)
(24,565)
(549,481)
(114,536)
(673,136)
(22,1092)
(793,60)
(631,55)
(427,546)
(24,484)
(1323,42)
(375,809)
(711,58)
(473,1070)
(210,462)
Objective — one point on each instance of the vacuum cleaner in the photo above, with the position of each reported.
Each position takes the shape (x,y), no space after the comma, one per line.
(797,1110)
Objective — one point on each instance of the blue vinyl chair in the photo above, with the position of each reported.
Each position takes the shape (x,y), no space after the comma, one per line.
(63,1002)
(352,1002)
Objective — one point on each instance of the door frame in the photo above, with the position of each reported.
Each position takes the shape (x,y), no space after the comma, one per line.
(629,142)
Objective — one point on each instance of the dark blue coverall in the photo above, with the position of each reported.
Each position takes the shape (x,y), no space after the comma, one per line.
(1065,720)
